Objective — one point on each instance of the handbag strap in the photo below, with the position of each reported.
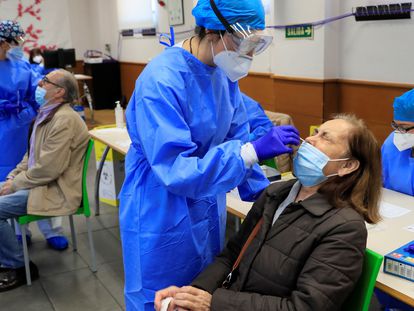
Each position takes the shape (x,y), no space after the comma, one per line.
(227,281)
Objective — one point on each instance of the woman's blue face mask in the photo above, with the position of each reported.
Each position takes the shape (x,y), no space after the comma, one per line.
(308,165)
(15,53)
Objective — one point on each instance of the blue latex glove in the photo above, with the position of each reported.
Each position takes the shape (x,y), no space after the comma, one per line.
(274,142)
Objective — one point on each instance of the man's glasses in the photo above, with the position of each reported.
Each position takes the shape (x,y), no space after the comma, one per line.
(401,129)
(46,80)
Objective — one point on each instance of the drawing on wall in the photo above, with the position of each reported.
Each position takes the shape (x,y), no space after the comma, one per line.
(45,22)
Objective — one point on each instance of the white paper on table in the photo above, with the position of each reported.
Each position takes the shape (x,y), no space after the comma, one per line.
(389,210)
(235,193)
(376,227)
(112,130)
(410,228)
(123,143)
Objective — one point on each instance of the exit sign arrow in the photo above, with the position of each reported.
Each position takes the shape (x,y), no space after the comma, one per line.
(299,32)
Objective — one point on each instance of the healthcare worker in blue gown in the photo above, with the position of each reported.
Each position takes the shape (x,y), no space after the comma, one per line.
(17,103)
(189,131)
(398,148)
(398,166)
(259,122)
(17,110)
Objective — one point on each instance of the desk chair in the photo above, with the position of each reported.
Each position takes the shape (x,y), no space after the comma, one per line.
(360,298)
(82,210)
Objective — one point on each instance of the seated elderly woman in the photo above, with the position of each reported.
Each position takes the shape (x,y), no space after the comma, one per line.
(309,249)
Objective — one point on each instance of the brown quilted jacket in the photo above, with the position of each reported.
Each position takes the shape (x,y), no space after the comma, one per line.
(310,259)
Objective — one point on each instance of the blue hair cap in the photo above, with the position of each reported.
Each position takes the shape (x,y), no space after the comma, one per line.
(245,12)
(404,107)
(10,30)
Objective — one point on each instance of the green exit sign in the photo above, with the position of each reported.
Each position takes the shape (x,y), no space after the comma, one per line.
(299,32)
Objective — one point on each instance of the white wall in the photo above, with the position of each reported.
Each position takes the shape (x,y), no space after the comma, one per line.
(303,58)
(81,26)
(332,39)
(104,29)
(375,51)
(133,49)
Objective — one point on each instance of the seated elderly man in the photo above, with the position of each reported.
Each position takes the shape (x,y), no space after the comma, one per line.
(304,239)
(48,179)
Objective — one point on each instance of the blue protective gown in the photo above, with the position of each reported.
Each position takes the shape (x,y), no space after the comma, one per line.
(259,123)
(397,167)
(17,109)
(41,70)
(398,175)
(187,125)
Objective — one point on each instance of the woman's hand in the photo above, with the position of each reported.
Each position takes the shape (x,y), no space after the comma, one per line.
(162,294)
(191,298)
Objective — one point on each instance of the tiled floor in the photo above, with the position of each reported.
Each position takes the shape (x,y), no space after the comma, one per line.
(66,283)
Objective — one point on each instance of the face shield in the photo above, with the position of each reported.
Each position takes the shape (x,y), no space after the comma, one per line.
(18,40)
(247,41)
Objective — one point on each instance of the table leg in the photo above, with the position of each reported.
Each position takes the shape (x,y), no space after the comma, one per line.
(89,100)
(237,222)
(98,179)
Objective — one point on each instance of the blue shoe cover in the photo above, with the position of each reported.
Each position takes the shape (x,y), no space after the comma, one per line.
(58,242)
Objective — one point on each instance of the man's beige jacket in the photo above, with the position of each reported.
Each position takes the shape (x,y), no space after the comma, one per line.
(55,181)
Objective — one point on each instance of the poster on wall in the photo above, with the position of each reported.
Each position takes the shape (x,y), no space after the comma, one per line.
(45,22)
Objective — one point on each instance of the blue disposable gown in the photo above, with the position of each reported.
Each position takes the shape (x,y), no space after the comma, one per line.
(187,125)
(41,70)
(397,167)
(17,109)
(259,123)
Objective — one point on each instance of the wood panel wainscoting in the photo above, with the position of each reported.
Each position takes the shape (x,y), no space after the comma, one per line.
(129,74)
(313,101)
(309,101)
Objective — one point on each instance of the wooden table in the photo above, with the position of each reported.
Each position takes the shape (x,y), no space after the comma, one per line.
(383,238)
(389,235)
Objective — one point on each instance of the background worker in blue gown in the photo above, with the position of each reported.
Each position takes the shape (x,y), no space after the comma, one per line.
(398,165)
(37,62)
(17,110)
(17,104)
(189,131)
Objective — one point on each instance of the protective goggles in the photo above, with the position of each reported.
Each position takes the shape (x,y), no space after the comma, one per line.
(400,128)
(245,39)
(17,41)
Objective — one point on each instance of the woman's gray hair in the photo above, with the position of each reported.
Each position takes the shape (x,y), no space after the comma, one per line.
(70,85)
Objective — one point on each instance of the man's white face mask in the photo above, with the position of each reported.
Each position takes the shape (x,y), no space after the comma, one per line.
(38,59)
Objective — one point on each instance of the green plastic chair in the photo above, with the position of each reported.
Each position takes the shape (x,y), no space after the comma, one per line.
(360,298)
(84,209)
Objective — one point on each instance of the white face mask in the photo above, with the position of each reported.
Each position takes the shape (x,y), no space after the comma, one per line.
(403,141)
(38,59)
(234,65)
